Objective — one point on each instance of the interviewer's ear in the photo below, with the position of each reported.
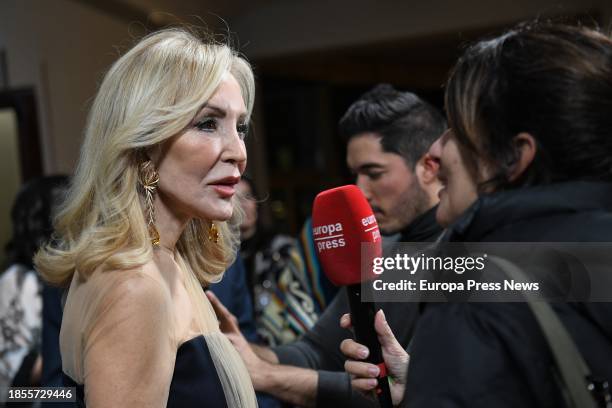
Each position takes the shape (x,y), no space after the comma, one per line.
(526,148)
(427,169)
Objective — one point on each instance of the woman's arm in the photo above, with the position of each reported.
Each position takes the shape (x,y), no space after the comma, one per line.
(129,353)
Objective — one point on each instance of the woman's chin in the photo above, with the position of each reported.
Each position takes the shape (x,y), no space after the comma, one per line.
(214,216)
(222,216)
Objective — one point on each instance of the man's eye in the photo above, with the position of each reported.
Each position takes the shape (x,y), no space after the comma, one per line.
(374,176)
(243,130)
(207,125)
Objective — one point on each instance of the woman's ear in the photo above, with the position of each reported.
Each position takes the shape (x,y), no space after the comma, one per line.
(154,153)
(526,148)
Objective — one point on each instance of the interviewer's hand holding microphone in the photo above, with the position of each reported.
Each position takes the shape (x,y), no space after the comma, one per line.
(364,375)
(342,220)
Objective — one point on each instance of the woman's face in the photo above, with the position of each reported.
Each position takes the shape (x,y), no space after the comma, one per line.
(460,189)
(199,169)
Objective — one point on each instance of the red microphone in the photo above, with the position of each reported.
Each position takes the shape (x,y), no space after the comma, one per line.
(342,220)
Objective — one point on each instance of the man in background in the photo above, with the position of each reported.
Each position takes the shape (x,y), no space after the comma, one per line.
(388,134)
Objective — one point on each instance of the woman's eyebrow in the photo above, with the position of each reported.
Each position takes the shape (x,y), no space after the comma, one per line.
(215,109)
(220,111)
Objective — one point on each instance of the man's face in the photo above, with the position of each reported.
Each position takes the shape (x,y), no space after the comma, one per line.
(390,186)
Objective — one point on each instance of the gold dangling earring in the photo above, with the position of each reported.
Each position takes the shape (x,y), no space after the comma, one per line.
(213,233)
(148,178)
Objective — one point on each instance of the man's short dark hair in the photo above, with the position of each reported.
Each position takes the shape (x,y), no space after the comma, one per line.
(408,126)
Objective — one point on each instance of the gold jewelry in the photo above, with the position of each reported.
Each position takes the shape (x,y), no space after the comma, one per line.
(148,178)
(213,233)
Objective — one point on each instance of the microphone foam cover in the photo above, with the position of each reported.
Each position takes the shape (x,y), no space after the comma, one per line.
(342,220)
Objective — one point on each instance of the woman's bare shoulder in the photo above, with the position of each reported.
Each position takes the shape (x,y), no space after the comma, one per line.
(139,285)
(115,302)
(105,289)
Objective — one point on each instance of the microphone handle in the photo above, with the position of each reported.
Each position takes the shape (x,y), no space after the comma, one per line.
(362,317)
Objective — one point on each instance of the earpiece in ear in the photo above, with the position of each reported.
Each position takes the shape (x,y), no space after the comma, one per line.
(526,148)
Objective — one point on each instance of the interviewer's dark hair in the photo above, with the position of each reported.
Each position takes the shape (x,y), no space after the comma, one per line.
(407,125)
(552,81)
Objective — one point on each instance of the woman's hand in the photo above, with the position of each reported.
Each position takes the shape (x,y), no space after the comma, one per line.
(364,375)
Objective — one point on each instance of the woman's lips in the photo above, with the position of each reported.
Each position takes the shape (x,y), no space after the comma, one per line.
(224,190)
(225,187)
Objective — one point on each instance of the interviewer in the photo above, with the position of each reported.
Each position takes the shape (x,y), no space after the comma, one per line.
(528,157)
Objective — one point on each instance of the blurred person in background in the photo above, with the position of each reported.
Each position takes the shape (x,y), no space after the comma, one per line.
(20,287)
(527,158)
(288,288)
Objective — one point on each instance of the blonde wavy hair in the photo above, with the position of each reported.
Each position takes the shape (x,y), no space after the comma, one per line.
(149,95)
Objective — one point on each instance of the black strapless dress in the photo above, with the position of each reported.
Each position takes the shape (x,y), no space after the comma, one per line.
(195,382)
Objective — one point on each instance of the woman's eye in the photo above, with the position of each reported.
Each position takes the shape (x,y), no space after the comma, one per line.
(243,130)
(207,125)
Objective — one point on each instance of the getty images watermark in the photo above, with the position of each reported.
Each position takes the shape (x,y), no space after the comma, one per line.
(488,272)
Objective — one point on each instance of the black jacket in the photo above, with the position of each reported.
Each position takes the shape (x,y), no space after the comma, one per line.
(494,354)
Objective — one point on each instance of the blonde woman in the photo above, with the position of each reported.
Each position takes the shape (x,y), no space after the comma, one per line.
(149,219)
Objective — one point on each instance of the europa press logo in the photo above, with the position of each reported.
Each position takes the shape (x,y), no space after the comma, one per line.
(329,236)
(371,225)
